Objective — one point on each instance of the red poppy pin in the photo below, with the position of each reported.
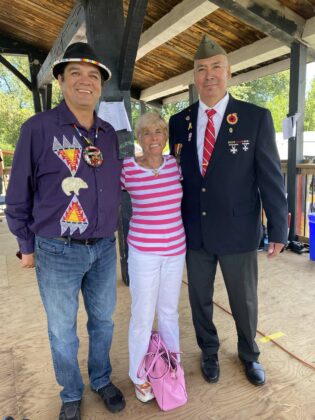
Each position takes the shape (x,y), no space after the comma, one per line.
(232,118)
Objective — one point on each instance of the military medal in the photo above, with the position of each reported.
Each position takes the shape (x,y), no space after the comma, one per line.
(232,118)
(92,155)
(233,145)
(245,144)
(178,150)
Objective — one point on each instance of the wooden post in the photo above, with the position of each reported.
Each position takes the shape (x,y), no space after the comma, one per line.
(35,66)
(295,144)
(46,95)
(117,45)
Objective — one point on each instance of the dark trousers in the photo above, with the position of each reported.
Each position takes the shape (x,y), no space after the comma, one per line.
(240,278)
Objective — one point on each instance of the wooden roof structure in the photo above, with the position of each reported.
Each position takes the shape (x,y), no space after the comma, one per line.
(257,34)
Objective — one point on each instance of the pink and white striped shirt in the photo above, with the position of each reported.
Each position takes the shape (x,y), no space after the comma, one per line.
(156,224)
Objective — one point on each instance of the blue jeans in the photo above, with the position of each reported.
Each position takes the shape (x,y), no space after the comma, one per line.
(63,269)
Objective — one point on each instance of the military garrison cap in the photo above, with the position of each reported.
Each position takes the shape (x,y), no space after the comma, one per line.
(208,48)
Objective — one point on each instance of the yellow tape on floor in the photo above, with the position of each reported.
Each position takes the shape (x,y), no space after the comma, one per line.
(271,337)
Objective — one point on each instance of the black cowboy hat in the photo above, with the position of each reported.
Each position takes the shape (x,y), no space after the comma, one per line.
(80,52)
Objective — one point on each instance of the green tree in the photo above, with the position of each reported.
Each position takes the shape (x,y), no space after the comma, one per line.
(16,101)
(16,104)
(309,121)
(56,94)
(270,92)
(171,109)
(278,106)
(263,90)
(12,116)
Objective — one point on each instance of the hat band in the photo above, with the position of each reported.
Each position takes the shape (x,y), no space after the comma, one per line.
(85,60)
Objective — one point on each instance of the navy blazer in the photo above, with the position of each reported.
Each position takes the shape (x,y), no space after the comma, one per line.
(222,211)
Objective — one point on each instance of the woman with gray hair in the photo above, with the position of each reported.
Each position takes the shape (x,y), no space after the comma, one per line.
(156,242)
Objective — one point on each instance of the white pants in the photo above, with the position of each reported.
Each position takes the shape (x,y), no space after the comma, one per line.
(155,283)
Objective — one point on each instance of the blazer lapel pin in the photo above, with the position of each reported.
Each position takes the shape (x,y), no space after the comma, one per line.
(232,119)
(189,127)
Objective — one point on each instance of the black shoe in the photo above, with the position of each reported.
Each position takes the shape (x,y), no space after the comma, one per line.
(113,398)
(70,411)
(254,372)
(210,368)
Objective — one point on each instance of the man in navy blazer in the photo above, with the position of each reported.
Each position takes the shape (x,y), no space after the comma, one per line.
(222,209)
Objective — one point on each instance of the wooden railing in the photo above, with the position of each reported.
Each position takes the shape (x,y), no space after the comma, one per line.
(305,202)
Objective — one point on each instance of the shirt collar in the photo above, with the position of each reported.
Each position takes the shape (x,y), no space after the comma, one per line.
(66,117)
(219,107)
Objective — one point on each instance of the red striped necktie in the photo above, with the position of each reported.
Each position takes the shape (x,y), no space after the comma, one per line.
(209,141)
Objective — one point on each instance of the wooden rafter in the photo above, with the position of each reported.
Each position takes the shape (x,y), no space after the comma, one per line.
(132,32)
(70,28)
(13,46)
(180,18)
(269,17)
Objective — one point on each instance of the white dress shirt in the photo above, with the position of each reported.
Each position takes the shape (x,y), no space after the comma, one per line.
(202,121)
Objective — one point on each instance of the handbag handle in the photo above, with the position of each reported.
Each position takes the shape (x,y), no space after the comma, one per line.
(160,355)
(157,355)
(141,367)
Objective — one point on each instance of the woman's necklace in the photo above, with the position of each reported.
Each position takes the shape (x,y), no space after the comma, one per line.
(155,171)
(92,155)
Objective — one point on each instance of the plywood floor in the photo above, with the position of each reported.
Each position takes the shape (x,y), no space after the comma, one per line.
(287,301)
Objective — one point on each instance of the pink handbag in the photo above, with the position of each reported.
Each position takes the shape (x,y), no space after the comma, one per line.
(165,374)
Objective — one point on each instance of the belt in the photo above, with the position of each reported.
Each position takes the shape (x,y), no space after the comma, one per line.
(90,241)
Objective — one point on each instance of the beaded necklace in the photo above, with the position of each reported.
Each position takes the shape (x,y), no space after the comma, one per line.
(92,155)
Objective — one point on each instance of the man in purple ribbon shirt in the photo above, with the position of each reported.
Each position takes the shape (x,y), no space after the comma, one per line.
(62,205)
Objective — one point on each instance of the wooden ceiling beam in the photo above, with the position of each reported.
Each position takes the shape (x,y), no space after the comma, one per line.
(132,33)
(261,72)
(70,29)
(188,12)
(184,96)
(15,47)
(259,52)
(169,87)
(267,16)
(180,18)
(309,32)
